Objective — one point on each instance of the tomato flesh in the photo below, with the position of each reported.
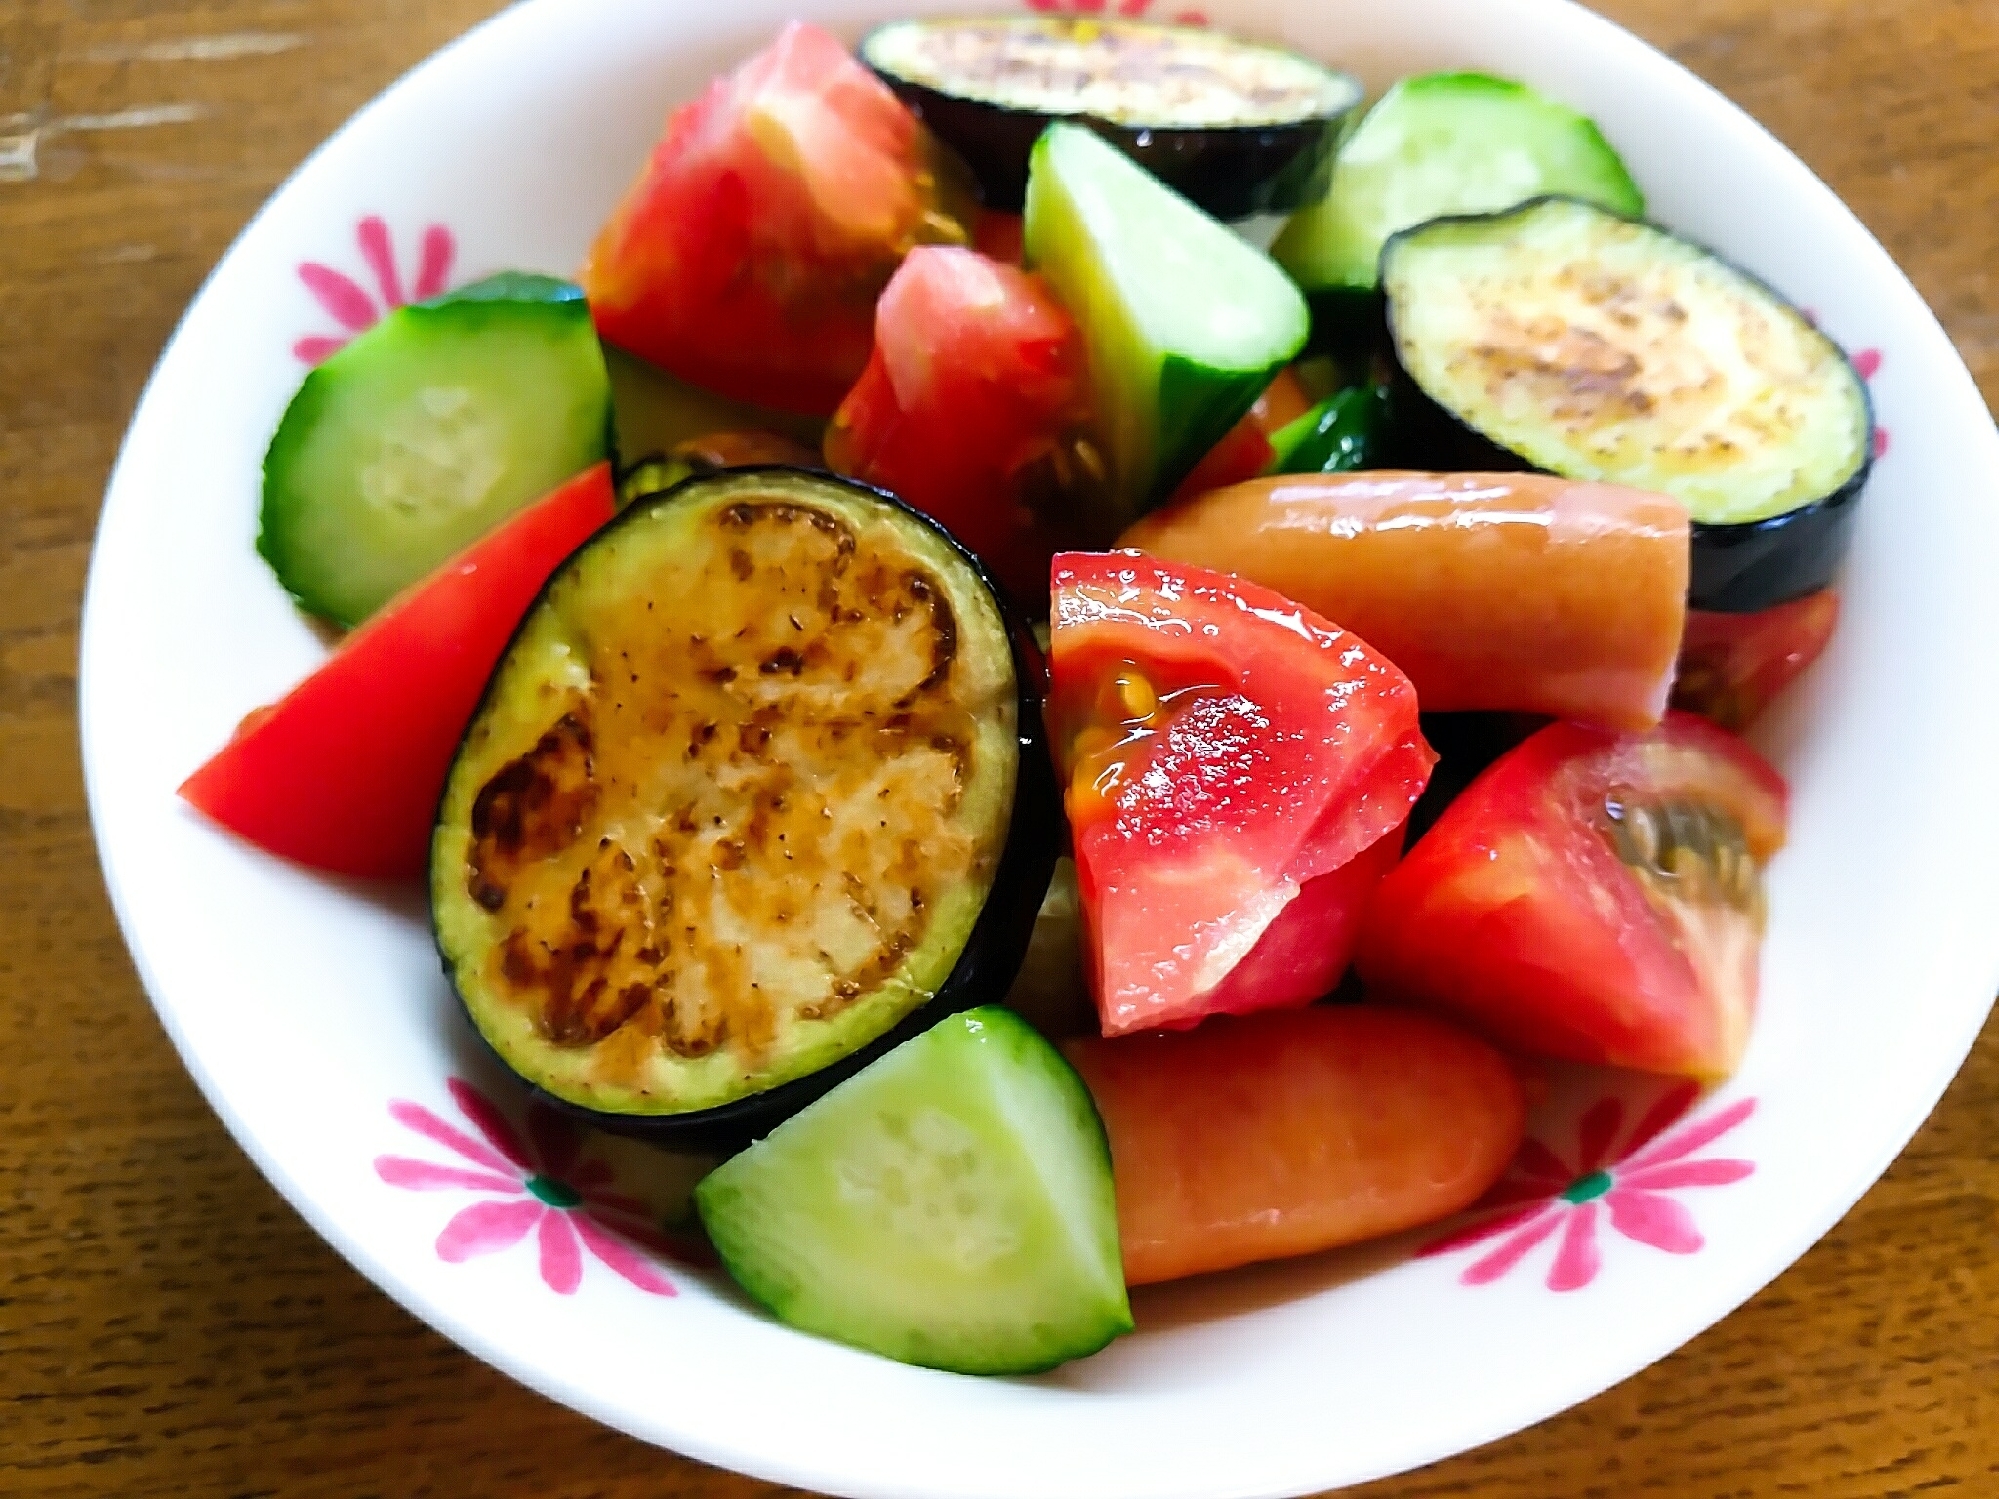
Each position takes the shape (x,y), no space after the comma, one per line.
(343,773)
(1284,1133)
(1593,896)
(1223,750)
(970,407)
(1732,665)
(748,255)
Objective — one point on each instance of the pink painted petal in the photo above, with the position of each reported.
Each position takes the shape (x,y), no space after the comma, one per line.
(1133,7)
(1598,1128)
(1652,1219)
(1192,18)
(1867,363)
(1044,4)
(487,1227)
(427,1176)
(590,1173)
(415,1116)
(620,1257)
(1484,1272)
(556,1140)
(1880,442)
(434,271)
(490,1121)
(373,236)
(343,300)
(1670,1176)
(561,1260)
(1478,1233)
(1086,7)
(1542,1164)
(1685,1142)
(318,348)
(1666,1111)
(1578,1260)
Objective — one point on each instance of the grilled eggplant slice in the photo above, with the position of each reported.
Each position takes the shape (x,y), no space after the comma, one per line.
(757,792)
(1238,127)
(1562,337)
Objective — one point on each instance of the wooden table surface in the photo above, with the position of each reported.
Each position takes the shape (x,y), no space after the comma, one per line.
(168,1325)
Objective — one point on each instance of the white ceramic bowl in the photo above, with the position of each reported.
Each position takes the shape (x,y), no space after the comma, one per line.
(314,1017)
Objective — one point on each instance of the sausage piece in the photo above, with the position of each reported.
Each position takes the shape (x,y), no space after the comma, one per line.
(1513,592)
(1261,1136)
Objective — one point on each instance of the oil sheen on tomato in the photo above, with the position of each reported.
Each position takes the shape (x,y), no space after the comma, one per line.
(1237,771)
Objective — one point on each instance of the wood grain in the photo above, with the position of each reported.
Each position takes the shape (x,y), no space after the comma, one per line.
(169,1327)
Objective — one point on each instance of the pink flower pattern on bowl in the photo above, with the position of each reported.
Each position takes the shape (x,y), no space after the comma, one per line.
(542,1184)
(355,308)
(1626,1187)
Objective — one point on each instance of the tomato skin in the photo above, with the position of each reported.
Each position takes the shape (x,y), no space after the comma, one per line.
(1515,913)
(1274,749)
(343,773)
(1289,1132)
(1733,665)
(976,379)
(747,256)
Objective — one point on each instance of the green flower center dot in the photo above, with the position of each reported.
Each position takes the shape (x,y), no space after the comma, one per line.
(1583,1189)
(556,1194)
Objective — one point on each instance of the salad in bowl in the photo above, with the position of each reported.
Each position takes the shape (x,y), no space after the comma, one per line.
(1145,701)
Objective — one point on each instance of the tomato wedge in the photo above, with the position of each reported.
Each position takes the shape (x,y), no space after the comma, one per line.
(343,773)
(1732,665)
(1593,896)
(748,255)
(971,407)
(1229,757)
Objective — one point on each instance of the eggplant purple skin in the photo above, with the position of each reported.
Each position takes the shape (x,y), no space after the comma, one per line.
(1229,171)
(992,954)
(1735,569)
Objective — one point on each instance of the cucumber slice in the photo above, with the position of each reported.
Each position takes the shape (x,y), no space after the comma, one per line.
(425,432)
(1446,143)
(1185,323)
(950,1206)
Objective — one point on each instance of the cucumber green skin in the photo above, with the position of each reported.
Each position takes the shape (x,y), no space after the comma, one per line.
(998,1083)
(1335,244)
(339,556)
(991,955)
(1342,433)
